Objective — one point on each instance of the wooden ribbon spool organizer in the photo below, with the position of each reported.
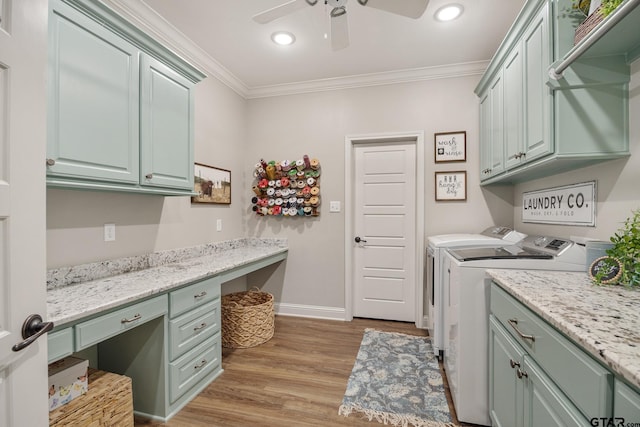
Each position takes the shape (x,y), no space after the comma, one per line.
(289,188)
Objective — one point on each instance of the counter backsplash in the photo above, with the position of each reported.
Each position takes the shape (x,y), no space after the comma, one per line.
(64,276)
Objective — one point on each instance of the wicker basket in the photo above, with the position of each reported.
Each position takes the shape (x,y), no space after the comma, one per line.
(587,25)
(247,318)
(109,402)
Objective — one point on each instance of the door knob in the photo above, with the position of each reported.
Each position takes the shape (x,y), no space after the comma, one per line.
(32,329)
(358,240)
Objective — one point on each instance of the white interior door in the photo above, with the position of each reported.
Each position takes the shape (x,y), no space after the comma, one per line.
(384,260)
(23,55)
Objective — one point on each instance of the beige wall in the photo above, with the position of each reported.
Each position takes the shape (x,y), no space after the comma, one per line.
(145,224)
(316,124)
(617,183)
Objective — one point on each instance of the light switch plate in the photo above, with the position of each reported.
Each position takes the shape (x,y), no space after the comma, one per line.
(334,206)
(219,225)
(109,232)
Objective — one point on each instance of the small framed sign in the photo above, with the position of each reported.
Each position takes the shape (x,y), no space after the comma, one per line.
(605,270)
(450,147)
(451,185)
(213,185)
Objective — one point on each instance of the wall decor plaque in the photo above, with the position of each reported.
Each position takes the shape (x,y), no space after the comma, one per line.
(573,204)
(451,185)
(212,184)
(450,147)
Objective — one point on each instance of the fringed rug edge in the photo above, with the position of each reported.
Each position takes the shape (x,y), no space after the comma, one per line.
(391,418)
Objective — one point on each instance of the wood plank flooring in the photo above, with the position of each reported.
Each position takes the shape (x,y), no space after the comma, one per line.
(296,378)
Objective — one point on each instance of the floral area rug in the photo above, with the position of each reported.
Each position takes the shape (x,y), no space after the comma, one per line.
(396,380)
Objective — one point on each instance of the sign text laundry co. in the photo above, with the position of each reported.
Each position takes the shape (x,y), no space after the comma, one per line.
(568,205)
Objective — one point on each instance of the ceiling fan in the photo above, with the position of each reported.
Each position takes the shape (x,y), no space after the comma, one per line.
(339,26)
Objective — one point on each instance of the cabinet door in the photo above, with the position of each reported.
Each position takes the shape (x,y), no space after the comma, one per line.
(497,126)
(537,96)
(505,389)
(513,108)
(166,127)
(544,404)
(485,136)
(626,404)
(93,100)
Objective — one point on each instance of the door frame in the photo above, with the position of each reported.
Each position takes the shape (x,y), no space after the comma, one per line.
(417,138)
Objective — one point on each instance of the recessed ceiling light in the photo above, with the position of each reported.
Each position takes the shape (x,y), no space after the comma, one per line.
(283,38)
(449,12)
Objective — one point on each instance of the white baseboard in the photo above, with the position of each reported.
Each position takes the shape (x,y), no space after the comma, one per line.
(314,311)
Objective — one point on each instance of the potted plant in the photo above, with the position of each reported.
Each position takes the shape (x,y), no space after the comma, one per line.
(623,255)
(589,14)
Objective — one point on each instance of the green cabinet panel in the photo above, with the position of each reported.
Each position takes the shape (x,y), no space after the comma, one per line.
(626,403)
(59,344)
(193,296)
(187,371)
(505,388)
(121,108)
(166,127)
(93,100)
(108,325)
(552,126)
(544,404)
(192,328)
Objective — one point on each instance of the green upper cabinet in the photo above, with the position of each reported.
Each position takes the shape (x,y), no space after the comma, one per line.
(166,127)
(551,126)
(121,113)
(93,101)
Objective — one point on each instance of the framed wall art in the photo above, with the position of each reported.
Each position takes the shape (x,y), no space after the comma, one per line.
(450,147)
(451,185)
(212,184)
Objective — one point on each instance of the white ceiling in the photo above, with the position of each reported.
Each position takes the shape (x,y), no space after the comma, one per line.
(380,42)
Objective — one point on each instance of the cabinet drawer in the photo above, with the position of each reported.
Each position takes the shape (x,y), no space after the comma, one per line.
(188,370)
(582,379)
(626,403)
(193,296)
(96,330)
(60,344)
(191,329)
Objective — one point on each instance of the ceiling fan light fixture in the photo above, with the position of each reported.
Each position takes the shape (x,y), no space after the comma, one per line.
(449,12)
(283,38)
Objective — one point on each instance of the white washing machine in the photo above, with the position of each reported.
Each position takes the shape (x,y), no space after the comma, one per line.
(466,311)
(432,291)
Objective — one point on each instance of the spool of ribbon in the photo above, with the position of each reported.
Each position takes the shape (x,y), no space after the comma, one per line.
(264,211)
(300,164)
(307,210)
(270,211)
(315,201)
(278,183)
(285,165)
(278,193)
(257,190)
(305,159)
(315,191)
(263,183)
(277,210)
(315,163)
(272,202)
(300,174)
(311,182)
(271,172)
(254,200)
(278,201)
(300,201)
(272,183)
(301,211)
(292,212)
(292,174)
(284,182)
(263,163)
(300,183)
(271,191)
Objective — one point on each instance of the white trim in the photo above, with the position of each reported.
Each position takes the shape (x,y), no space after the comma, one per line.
(394,137)
(312,311)
(142,15)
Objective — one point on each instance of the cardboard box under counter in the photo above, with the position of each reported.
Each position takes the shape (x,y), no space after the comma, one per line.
(67,381)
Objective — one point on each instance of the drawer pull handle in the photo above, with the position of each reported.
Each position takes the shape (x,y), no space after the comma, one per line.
(201,326)
(514,325)
(513,363)
(200,295)
(201,364)
(522,373)
(133,319)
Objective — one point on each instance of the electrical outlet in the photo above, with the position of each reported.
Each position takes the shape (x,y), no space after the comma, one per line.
(334,206)
(219,225)
(109,232)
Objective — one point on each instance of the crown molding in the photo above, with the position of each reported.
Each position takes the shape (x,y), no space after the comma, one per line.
(374,79)
(148,20)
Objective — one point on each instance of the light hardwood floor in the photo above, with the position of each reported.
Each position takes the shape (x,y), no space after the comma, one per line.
(297,378)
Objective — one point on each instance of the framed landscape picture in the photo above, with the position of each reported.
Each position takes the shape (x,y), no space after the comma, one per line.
(212,184)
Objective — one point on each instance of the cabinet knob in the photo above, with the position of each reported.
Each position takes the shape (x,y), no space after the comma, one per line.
(149,176)
(513,363)
(522,373)
(51,162)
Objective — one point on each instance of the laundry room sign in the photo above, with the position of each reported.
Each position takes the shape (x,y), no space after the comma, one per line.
(573,204)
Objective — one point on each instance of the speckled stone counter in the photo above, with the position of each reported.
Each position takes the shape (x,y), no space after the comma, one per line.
(80,291)
(603,320)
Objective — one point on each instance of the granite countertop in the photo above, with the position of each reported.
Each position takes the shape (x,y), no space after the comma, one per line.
(80,291)
(603,320)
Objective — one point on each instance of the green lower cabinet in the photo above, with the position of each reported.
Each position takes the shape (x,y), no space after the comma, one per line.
(626,404)
(59,344)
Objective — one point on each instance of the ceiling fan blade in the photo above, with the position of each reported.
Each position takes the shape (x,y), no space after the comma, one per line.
(339,28)
(409,8)
(280,11)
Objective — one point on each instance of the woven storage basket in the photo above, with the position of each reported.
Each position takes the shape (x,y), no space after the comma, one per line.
(247,318)
(587,25)
(108,402)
